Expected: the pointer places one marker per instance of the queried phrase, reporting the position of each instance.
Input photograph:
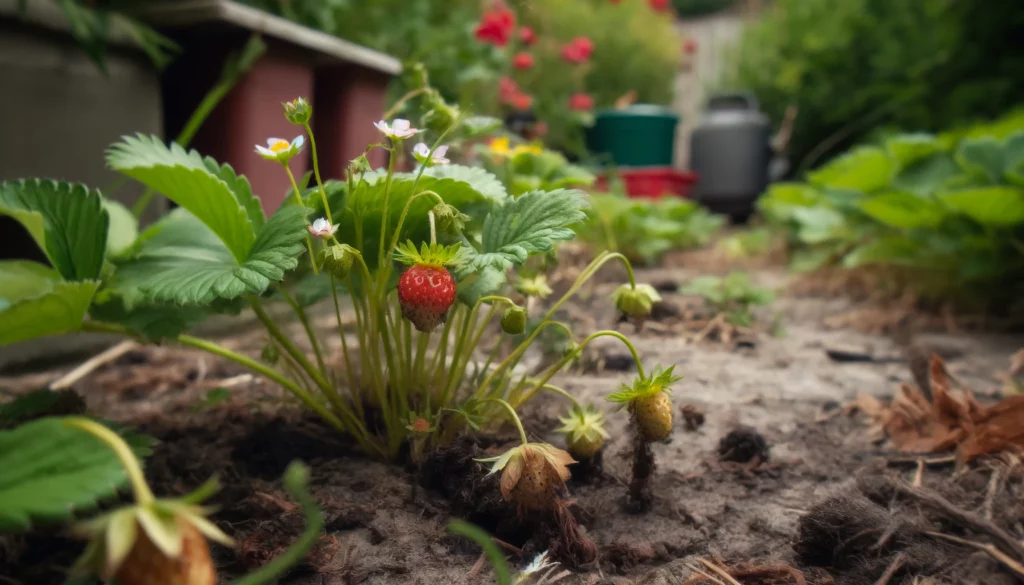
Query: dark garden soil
(766, 477)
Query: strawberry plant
(650, 410)
(644, 230)
(733, 295)
(56, 469)
(421, 256)
(947, 211)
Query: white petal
(383, 127)
(421, 149)
(273, 141)
(440, 151)
(400, 125)
(299, 142)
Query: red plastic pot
(653, 182)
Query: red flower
(521, 101)
(507, 87)
(496, 25)
(659, 5)
(527, 36)
(522, 61)
(578, 50)
(690, 46)
(581, 102)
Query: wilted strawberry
(584, 431)
(533, 474)
(426, 290)
(649, 403)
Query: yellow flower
(499, 146)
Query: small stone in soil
(619, 362)
(693, 417)
(742, 445)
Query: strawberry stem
(433, 228)
(298, 200)
(515, 417)
(316, 172)
(143, 495)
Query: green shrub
(853, 65)
(947, 210)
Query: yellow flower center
(280, 146)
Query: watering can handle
(733, 101)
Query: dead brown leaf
(952, 420)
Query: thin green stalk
(441, 351)
(316, 172)
(472, 344)
(579, 349)
(460, 342)
(310, 333)
(401, 223)
(515, 418)
(266, 372)
(287, 344)
(382, 268)
(298, 201)
(557, 390)
(344, 348)
(587, 273)
(132, 467)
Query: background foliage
(855, 65)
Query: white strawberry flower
(322, 228)
(422, 153)
(280, 150)
(399, 129)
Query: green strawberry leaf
(154, 322)
(927, 175)
(903, 210)
(60, 310)
(820, 224)
(865, 169)
(51, 472)
(472, 191)
(480, 283)
(185, 263)
(124, 228)
(982, 158)
(67, 222)
(530, 224)
(909, 149)
(186, 179)
(21, 279)
(989, 206)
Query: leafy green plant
(734, 295)
(530, 167)
(645, 229)
(58, 468)
(851, 67)
(947, 210)
(455, 227)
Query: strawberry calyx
(584, 431)
(432, 254)
(537, 458)
(659, 381)
(162, 522)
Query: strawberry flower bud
(513, 321)
(298, 111)
(448, 219)
(635, 302)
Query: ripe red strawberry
(426, 292)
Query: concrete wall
(59, 113)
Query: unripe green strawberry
(584, 431)
(148, 565)
(636, 302)
(426, 292)
(513, 321)
(653, 416)
(338, 260)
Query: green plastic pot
(641, 135)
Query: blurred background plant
(856, 67)
(645, 229)
(945, 212)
